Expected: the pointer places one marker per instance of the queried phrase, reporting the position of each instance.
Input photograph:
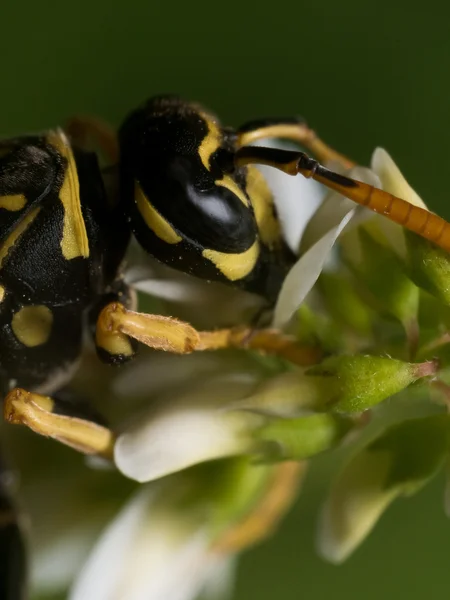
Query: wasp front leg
(118, 327)
(58, 420)
(13, 563)
(295, 130)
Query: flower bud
(295, 439)
(358, 382)
(344, 304)
(383, 273)
(399, 462)
(430, 266)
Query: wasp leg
(43, 415)
(416, 219)
(116, 325)
(294, 129)
(272, 507)
(268, 341)
(13, 562)
(87, 132)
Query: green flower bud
(295, 439)
(358, 382)
(287, 395)
(384, 275)
(399, 462)
(344, 304)
(430, 266)
(315, 328)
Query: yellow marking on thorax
(32, 325)
(160, 227)
(17, 232)
(234, 266)
(2, 293)
(209, 145)
(74, 241)
(261, 199)
(13, 202)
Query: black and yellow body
(190, 207)
(189, 191)
(60, 246)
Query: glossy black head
(180, 200)
(188, 205)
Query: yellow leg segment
(274, 504)
(269, 341)
(36, 412)
(299, 133)
(116, 325)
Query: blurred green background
(363, 75)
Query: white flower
(330, 221)
(187, 428)
(178, 538)
(149, 552)
(196, 422)
(399, 462)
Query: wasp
(190, 193)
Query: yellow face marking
(230, 184)
(209, 145)
(262, 202)
(211, 142)
(2, 293)
(234, 266)
(74, 241)
(160, 227)
(13, 202)
(15, 235)
(32, 325)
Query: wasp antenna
(419, 220)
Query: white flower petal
(55, 565)
(190, 298)
(356, 502)
(296, 199)
(221, 580)
(182, 433)
(146, 554)
(334, 208)
(171, 291)
(391, 178)
(306, 271)
(101, 577)
(154, 373)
